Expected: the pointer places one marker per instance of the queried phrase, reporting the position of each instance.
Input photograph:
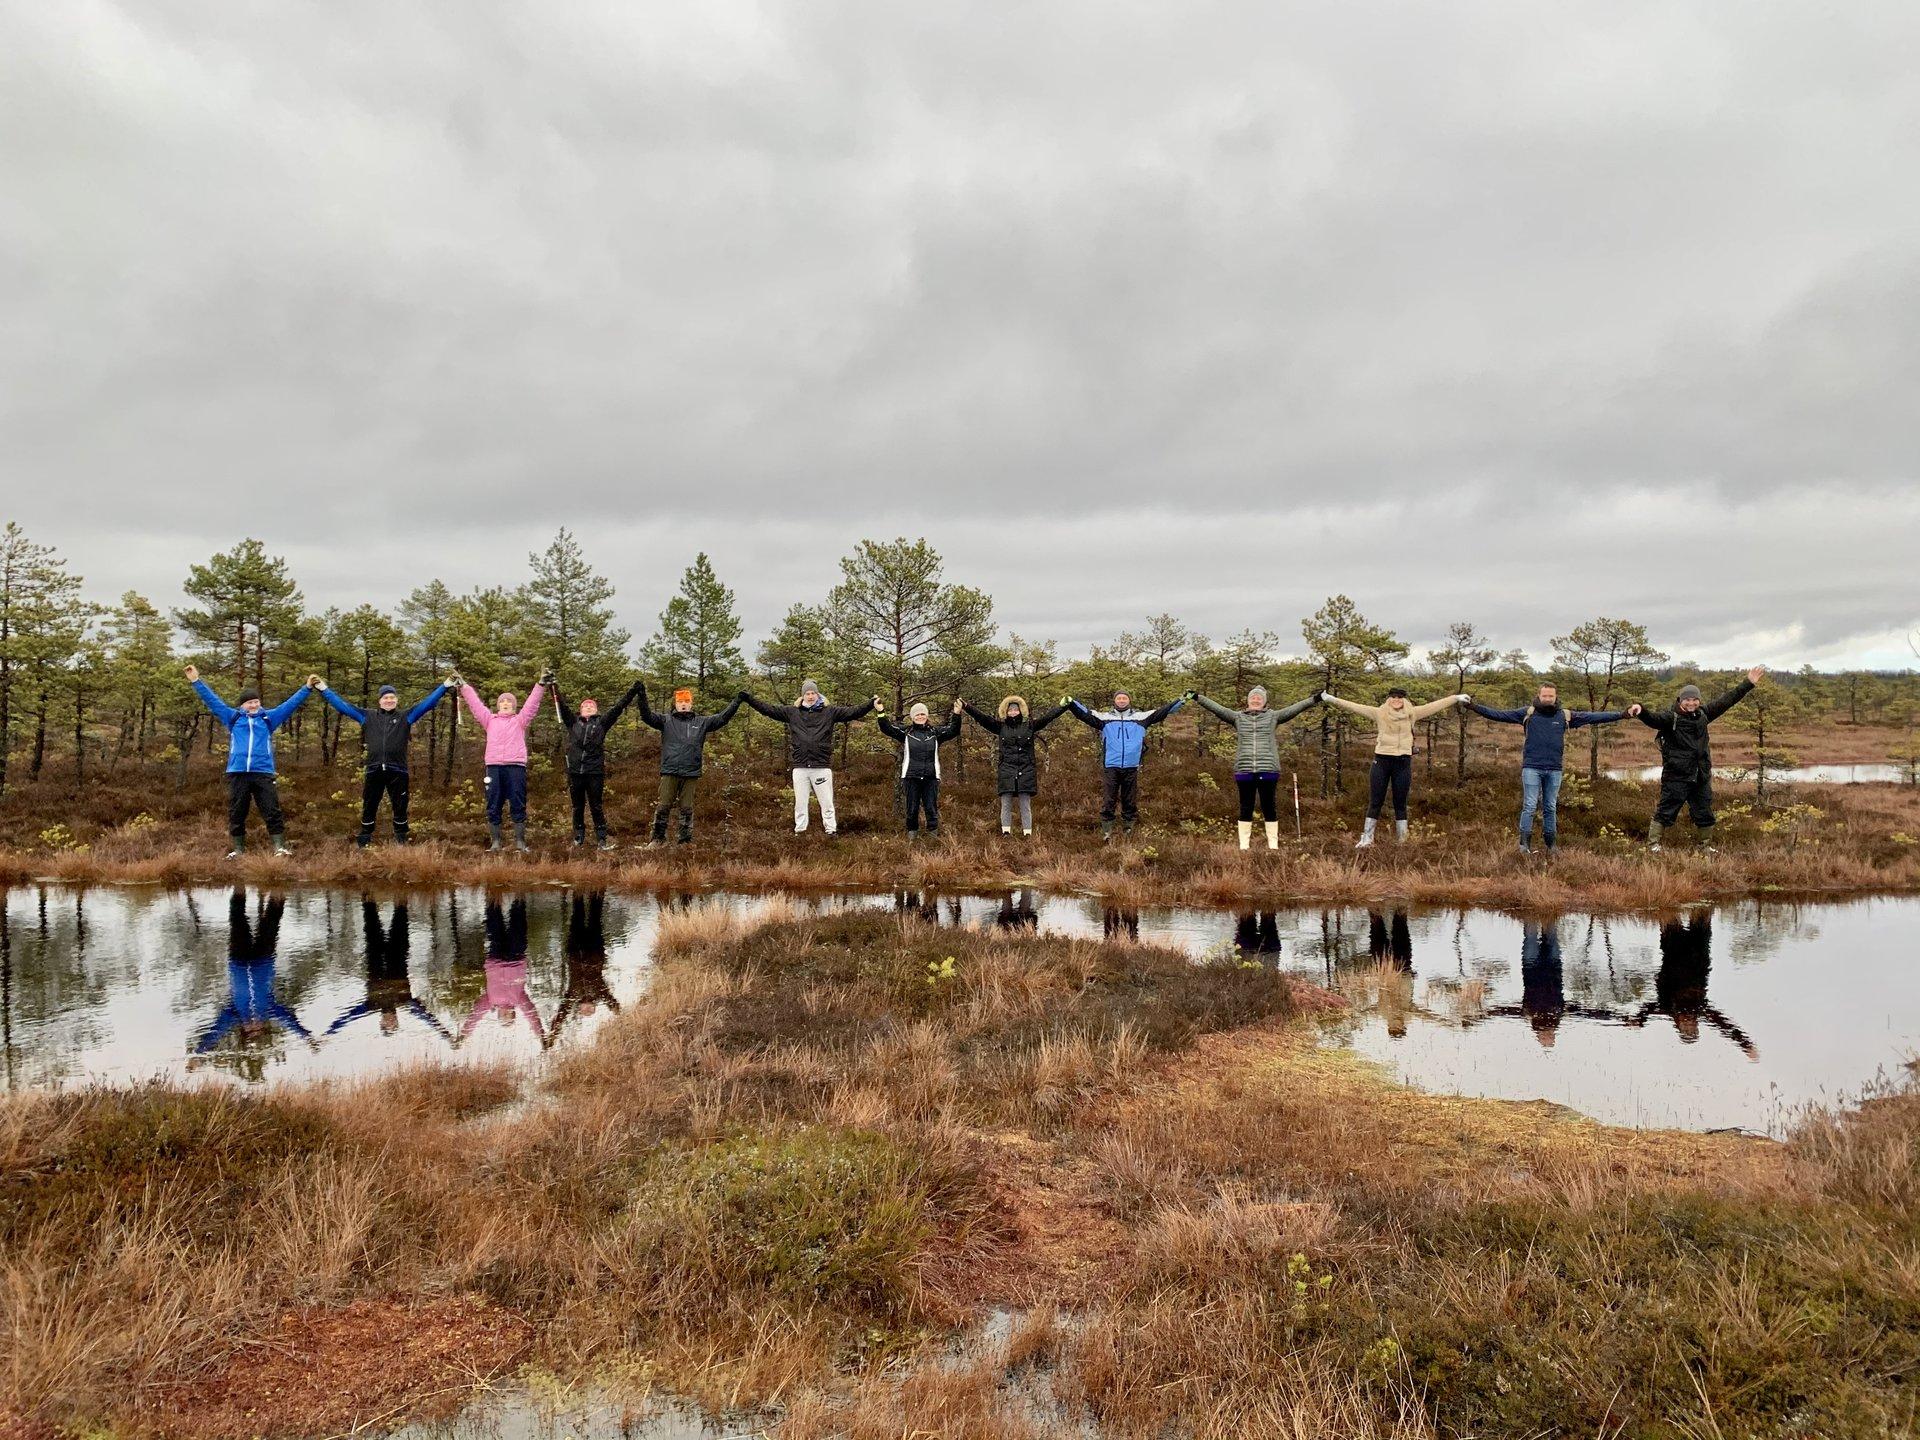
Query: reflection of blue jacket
(1123, 733)
(1546, 732)
(250, 742)
(250, 1000)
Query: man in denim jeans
(1546, 725)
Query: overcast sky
(1515, 312)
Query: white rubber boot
(1273, 834)
(1246, 834)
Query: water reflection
(1729, 1016)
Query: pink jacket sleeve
(480, 712)
(530, 711)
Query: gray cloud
(1507, 311)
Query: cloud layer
(1516, 312)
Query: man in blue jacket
(250, 774)
(384, 734)
(1542, 757)
(1123, 741)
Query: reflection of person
(1017, 911)
(389, 987)
(1680, 989)
(586, 988)
(252, 1009)
(1257, 933)
(1389, 938)
(506, 971)
(1543, 996)
(1118, 924)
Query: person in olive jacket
(683, 748)
(1686, 769)
(587, 759)
(920, 744)
(1256, 755)
(1019, 776)
(810, 746)
(384, 733)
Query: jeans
(1539, 790)
(819, 784)
(1394, 770)
(506, 789)
(1006, 811)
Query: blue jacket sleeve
(222, 711)
(227, 1019)
(1595, 717)
(1506, 717)
(280, 713)
(420, 711)
(346, 707)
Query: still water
(1735, 1016)
(1866, 774)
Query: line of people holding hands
(811, 725)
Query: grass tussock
(821, 1146)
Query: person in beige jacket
(1393, 725)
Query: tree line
(98, 685)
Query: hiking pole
(1296, 807)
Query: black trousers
(1120, 785)
(1261, 787)
(246, 788)
(921, 795)
(1695, 795)
(588, 792)
(1394, 770)
(393, 784)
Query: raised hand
(454, 682)
(192, 673)
(1190, 695)
(1633, 710)
(1463, 699)
(1756, 675)
(957, 704)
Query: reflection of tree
(1117, 923)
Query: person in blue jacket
(253, 1010)
(1123, 742)
(384, 734)
(1542, 756)
(250, 773)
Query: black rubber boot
(495, 842)
(280, 846)
(239, 847)
(686, 827)
(365, 837)
(1106, 832)
(579, 838)
(659, 829)
(401, 836)
(600, 837)
(520, 836)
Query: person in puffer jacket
(251, 779)
(683, 750)
(1393, 724)
(1256, 755)
(1543, 755)
(920, 744)
(1123, 744)
(587, 760)
(810, 725)
(1686, 769)
(1018, 775)
(506, 759)
(384, 735)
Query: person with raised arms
(1123, 744)
(683, 749)
(1393, 724)
(587, 760)
(920, 743)
(383, 737)
(1686, 754)
(506, 756)
(1544, 725)
(252, 780)
(1018, 776)
(1256, 755)
(810, 725)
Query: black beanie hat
(246, 695)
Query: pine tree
(1464, 655)
(1599, 655)
(142, 676)
(698, 643)
(249, 607)
(796, 651)
(922, 637)
(569, 621)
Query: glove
(1066, 699)
(1191, 695)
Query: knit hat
(506, 695)
(1259, 690)
(246, 695)
(808, 687)
(683, 694)
(1688, 692)
(388, 690)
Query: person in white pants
(810, 726)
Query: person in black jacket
(1686, 769)
(920, 746)
(810, 746)
(587, 759)
(1019, 777)
(683, 748)
(385, 733)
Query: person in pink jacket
(506, 729)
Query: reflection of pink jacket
(506, 734)
(506, 987)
